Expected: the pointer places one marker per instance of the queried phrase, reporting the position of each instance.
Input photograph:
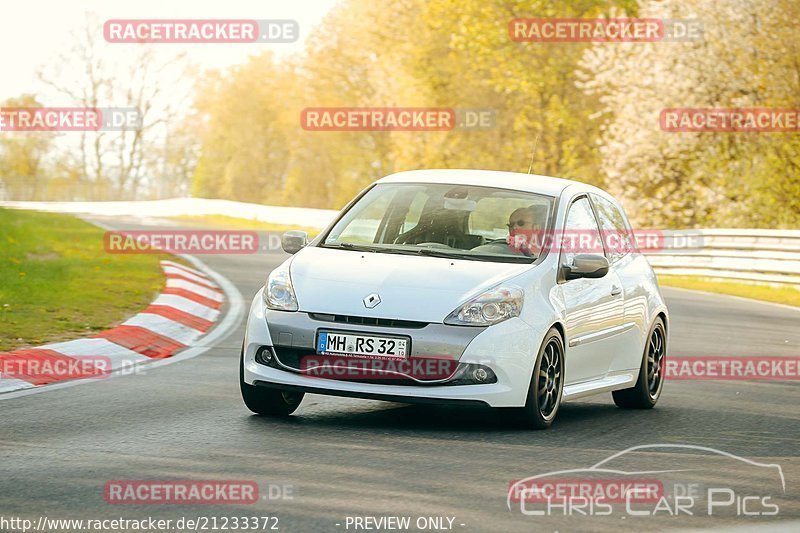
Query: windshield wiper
(350, 246)
(432, 252)
(367, 248)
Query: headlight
(278, 292)
(491, 307)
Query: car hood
(410, 287)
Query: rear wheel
(647, 390)
(546, 388)
(264, 401)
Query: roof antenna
(533, 153)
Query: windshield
(458, 221)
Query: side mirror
(586, 266)
(293, 241)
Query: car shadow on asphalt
(573, 418)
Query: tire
(546, 387)
(264, 401)
(647, 391)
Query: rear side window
(616, 235)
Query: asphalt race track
(340, 458)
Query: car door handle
(615, 290)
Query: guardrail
(771, 256)
(176, 207)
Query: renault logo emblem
(371, 300)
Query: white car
(461, 287)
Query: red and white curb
(172, 328)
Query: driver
(524, 233)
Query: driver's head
(523, 218)
(523, 225)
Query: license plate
(349, 344)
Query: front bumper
(507, 348)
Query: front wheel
(546, 388)
(647, 390)
(264, 401)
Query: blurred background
(223, 120)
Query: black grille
(292, 359)
(368, 321)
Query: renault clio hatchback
(509, 290)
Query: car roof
(491, 178)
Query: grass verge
(58, 283)
(767, 293)
(224, 222)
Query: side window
(364, 229)
(616, 235)
(414, 211)
(581, 234)
(490, 216)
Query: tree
(23, 156)
(116, 164)
(243, 132)
(697, 179)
